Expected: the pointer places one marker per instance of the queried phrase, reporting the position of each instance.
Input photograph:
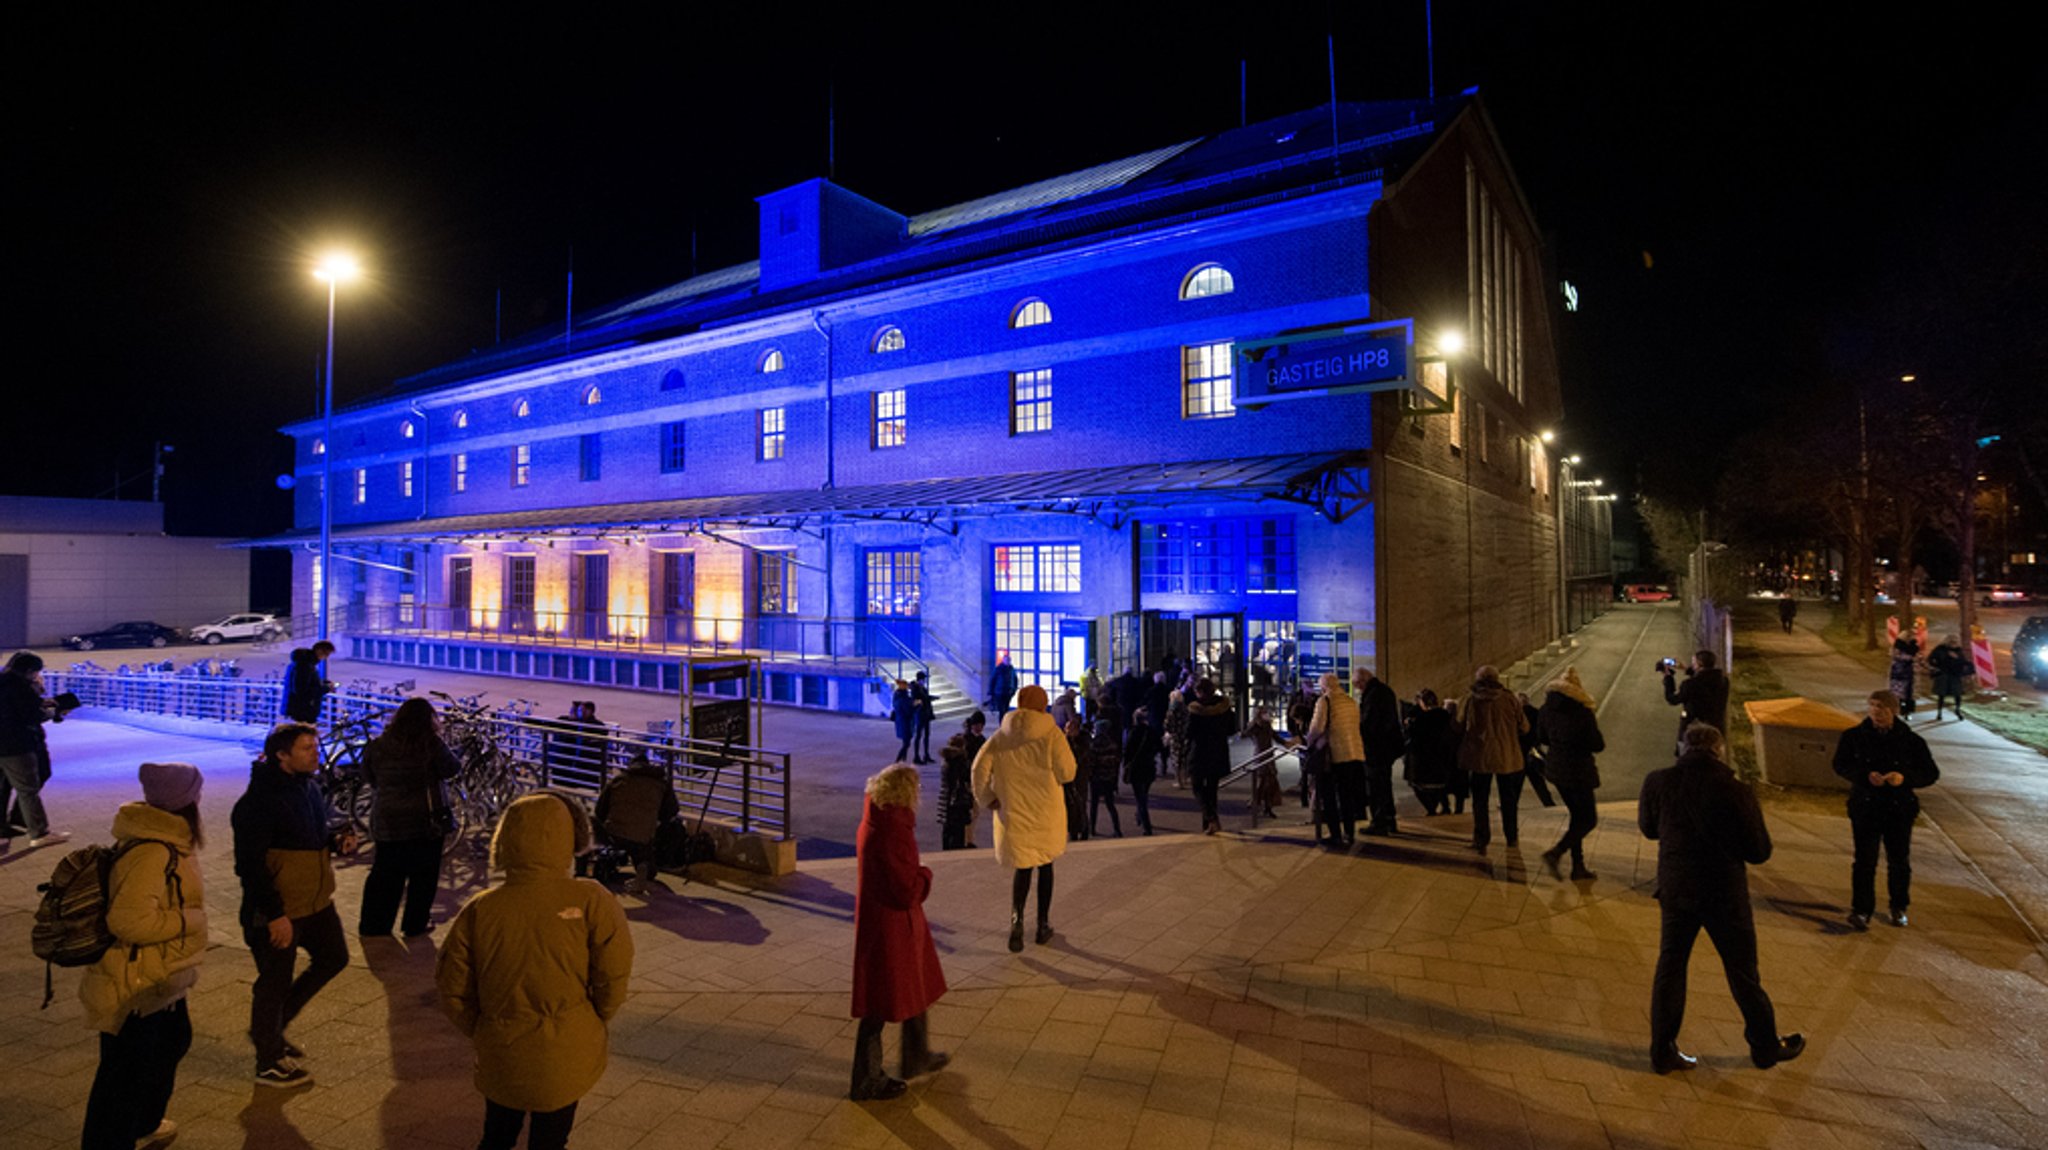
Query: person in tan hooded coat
(1018, 775)
(1492, 721)
(135, 994)
(532, 970)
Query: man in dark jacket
(304, 686)
(1379, 724)
(1703, 697)
(632, 809)
(1002, 686)
(23, 751)
(1885, 762)
(1708, 829)
(284, 836)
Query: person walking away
(1301, 710)
(1491, 752)
(1788, 610)
(1886, 763)
(921, 704)
(1266, 776)
(1066, 707)
(285, 840)
(1158, 702)
(408, 766)
(956, 784)
(1570, 733)
(1002, 686)
(1703, 697)
(896, 973)
(1431, 761)
(1211, 723)
(23, 749)
(1379, 718)
(1951, 667)
(1091, 693)
(1708, 830)
(1105, 759)
(1017, 777)
(532, 970)
(1905, 660)
(1141, 766)
(1335, 724)
(304, 685)
(1177, 745)
(1075, 791)
(135, 994)
(903, 712)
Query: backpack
(71, 921)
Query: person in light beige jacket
(135, 994)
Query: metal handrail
(903, 653)
(773, 637)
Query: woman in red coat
(896, 975)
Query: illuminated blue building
(1004, 427)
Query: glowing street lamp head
(338, 267)
(1450, 342)
(1547, 436)
(1572, 459)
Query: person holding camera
(1703, 696)
(1885, 762)
(24, 754)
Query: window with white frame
(775, 583)
(459, 472)
(1205, 382)
(522, 465)
(890, 418)
(362, 486)
(889, 339)
(771, 361)
(405, 479)
(1031, 313)
(1030, 401)
(1207, 280)
(1053, 568)
(773, 423)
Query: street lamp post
(334, 269)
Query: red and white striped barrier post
(1986, 664)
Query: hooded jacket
(1019, 774)
(282, 826)
(1571, 737)
(1493, 722)
(158, 922)
(533, 968)
(896, 972)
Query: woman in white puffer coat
(135, 994)
(1019, 775)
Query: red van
(1645, 593)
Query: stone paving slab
(1244, 990)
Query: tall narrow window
(362, 494)
(1030, 401)
(889, 418)
(1205, 382)
(589, 457)
(772, 427)
(519, 592)
(458, 477)
(775, 580)
(405, 479)
(672, 447)
(675, 601)
(460, 577)
(522, 465)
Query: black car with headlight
(2030, 651)
(126, 635)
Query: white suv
(244, 626)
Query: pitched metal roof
(1109, 492)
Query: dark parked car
(2030, 651)
(126, 635)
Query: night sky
(1818, 200)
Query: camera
(1667, 666)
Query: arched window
(1031, 313)
(889, 339)
(522, 409)
(461, 418)
(592, 396)
(771, 361)
(405, 429)
(672, 380)
(1207, 280)
(319, 447)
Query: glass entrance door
(1218, 644)
(590, 595)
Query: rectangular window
(772, 427)
(1205, 382)
(1030, 401)
(589, 458)
(522, 465)
(776, 579)
(1053, 568)
(895, 581)
(1493, 274)
(1032, 641)
(405, 479)
(1217, 556)
(362, 494)
(519, 598)
(671, 447)
(460, 576)
(889, 418)
(459, 472)
(1269, 556)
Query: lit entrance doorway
(590, 587)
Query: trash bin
(1795, 741)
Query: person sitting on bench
(631, 809)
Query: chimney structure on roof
(815, 226)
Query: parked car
(2030, 651)
(136, 634)
(247, 625)
(1645, 592)
(1999, 594)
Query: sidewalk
(1992, 801)
(1237, 991)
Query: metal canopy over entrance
(1333, 483)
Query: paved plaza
(1241, 990)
